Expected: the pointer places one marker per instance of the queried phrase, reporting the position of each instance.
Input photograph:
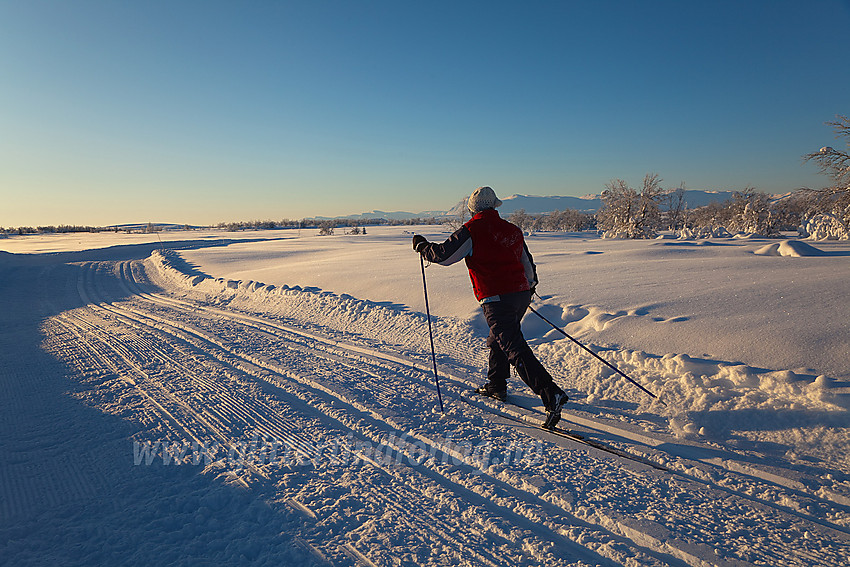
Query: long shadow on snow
(74, 494)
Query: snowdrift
(793, 248)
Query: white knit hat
(482, 199)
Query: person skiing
(504, 278)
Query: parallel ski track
(233, 406)
(239, 408)
(357, 353)
(437, 528)
(372, 355)
(336, 352)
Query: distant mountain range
(534, 205)
(393, 215)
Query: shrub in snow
(824, 227)
(685, 234)
(750, 213)
(790, 210)
(627, 213)
(833, 200)
(523, 220)
(568, 220)
(703, 232)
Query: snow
(794, 248)
(825, 227)
(289, 375)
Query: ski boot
(553, 414)
(490, 392)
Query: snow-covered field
(212, 398)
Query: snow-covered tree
(568, 220)
(522, 219)
(677, 208)
(824, 227)
(832, 162)
(627, 213)
(835, 199)
(749, 212)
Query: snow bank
(381, 322)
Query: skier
(503, 278)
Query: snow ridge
(325, 310)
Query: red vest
(495, 265)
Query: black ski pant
(508, 348)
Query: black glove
(419, 242)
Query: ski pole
(430, 333)
(614, 368)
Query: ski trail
(374, 476)
(195, 307)
(428, 527)
(641, 445)
(357, 405)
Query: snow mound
(793, 248)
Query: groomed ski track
(362, 471)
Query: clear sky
(207, 111)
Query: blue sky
(210, 111)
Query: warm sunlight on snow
(267, 396)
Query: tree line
(643, 212)
(349, 224)
(627, 212)
(324, 224)
(821, 213)
(50, 229)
